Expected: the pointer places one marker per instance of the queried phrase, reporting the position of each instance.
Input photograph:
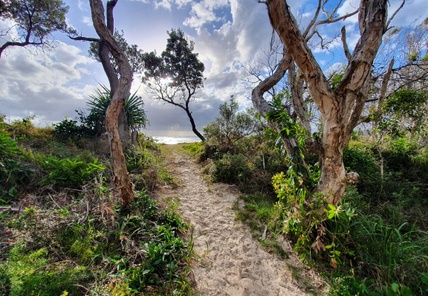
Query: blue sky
(229, 36)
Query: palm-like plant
(135, 114)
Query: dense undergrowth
(374, 242)
(63, 232)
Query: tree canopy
(33, 20)
(176, 75)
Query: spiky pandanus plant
(134, 110)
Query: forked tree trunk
(121, 178)
(340, 108)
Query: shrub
(69, 172)
(94, 121)
(13, 171)
(30, 272)
(68, 130)
(231, 169)
(93, 124)
(232, 126)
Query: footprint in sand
(229, 261)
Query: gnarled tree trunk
(340, 108)
(121, 178)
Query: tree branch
(345, 44)
(287, 28)
(81, 38)
(257, 94)
(394, 14)
(19, 44)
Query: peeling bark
(340, 108)
(121, 178)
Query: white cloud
(181, 3)
(82, 6)
(349, 6)
(87, 21)
(166, 4)
(200, 15)
(205, 12)
(48, 85)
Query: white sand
(228, 260)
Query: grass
(377, 242)
(74, 238)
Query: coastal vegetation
(334, 163)
(64, 231)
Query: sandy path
(229, 261)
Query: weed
(31, 272)
(69, 172)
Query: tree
(34, 21)
(101, 53)
(340, 105)
(231, 126)
(109, 44)
(176, 75)
(133, 53)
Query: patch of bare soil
(228, 260)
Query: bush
(232, 126)
(30, 272)
(140, 247)
(69, 172)
(68, 130)
(13, 171)
(231, 169)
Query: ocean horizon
(175, 140)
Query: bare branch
(329, 20)
(19, 44)
(385, 82)
(394, 14)
(345, 44)
(314, 19)
(257, 94)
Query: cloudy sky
(229, 36)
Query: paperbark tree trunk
(340, 108)
(122, 181)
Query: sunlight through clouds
(229, 35)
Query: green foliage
(69, 172)
(31, 272)
(300, 210)
(93, 123)
(135, 114)
(35, 19)
(231, 126)
(140, 247)
(404, 112)
(391, 259)
(258, 212)
(194, 149)
(291, 137)
(68, 129)
(180, 63)
(22, 129)
(231, 169)
(13, 171)
(177, 62)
